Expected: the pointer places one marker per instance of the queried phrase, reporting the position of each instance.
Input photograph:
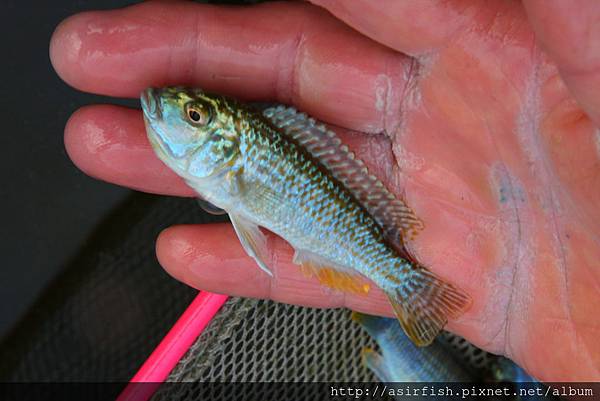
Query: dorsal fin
(397, 220)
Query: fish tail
(423, 304)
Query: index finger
(289, 52)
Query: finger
(110, 143)
(570, 33)
(290, 52)
(209, 257)
(412, 27)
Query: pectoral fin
(330, 274)
(252, 239)
(209, 207)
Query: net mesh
(478, 361)
(257, 340)
(264, 341)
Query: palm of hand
(479, 130)
(501, 163)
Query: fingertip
(204, 257)
(171, 250)
(174, 248)
(187, 250)
(65, 48)
(81, 139)
(109, 143)
(189, 255)
(89, 51)
(163, 245)
(104, 141)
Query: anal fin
(252, 239)
(331, 275)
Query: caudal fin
(424, 305)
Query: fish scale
(339, 219)
(282, 170)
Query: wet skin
(452, 103)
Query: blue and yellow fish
(401, 361)
(281, 170)
(448, 359)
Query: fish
(402, 361)
(449, 359)
(279, 169)
(506, 371)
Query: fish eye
(198, 113)
(194, 115)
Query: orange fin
(330, 275)
(427, 304)
(342, 281)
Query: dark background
(49, 207)
(82, 296)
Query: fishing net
(101, 319)
(267, 341)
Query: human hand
(457, 108)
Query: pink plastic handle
(171, 349)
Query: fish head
(191, 131)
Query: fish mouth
(155, 141)
(161, 149)
(150, 104)
(152, 115)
